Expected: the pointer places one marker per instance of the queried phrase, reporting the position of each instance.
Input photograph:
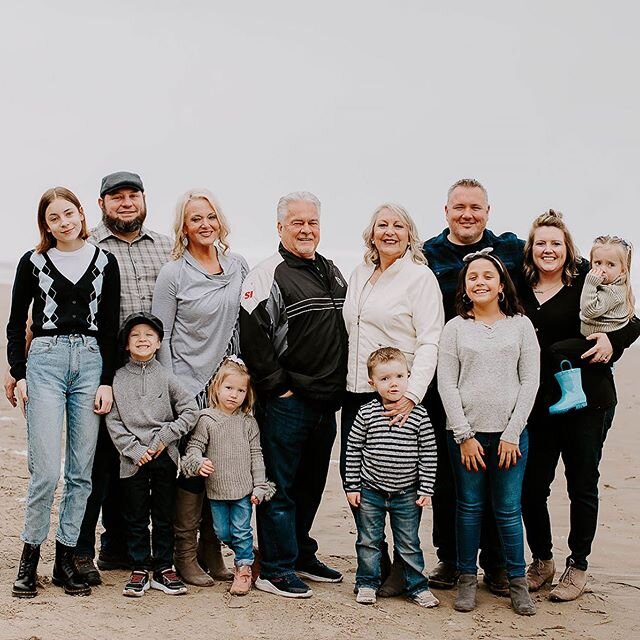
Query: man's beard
(116, 225)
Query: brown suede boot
(186, 522)
(539, 573)
(209, 549)
(241, 581)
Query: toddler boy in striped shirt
(390, 469)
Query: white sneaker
(425, 599)
(366, 595)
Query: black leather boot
(25, 584)
(65, 573)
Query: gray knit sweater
(603, 307)
(232, 443)
(150, 406)
(488, 376)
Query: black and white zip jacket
(292, 333)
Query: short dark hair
(509, 305)
(385, 354)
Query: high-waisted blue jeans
(63, 375)
(504, 487)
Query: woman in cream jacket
(393, 300)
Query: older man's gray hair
(296, 196)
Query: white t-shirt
(72, 264)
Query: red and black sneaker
(137, 585)
(167, 580)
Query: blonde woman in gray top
(197, 297)
(488, 371)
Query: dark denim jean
(504, 488)
(404, 516)
(578, 437)
(444, 500)
(106, 496)
(151, 492)
(296, 444)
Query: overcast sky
(361, 102)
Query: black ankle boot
(65, 573)
(25, 584)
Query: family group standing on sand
(195, 388)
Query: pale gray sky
(358, 101)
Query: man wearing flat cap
(140, 253)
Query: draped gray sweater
(150, 406)
(232, 443)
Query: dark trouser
(151, 491)
(296, 443)
(350, 407)
(503, 488)
(106, 494)
(571, 350)
(578, 437)
(444, 500)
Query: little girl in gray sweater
(225, 449)
(488, 373)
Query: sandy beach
(608, 611)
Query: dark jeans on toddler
(404, 515)
(151, 492)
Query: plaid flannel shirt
(445, 260)
(139, 262)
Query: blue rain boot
(570, 381)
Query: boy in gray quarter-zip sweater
(151, 412)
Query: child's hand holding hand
(353, 498)
(147, 456)
(104, 400)
(206, 469)
(423, 501)
(161, 447)
(255, 500)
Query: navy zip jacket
(292, 333)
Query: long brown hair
(47, 241)
(551, 218)
(509, 305)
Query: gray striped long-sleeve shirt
(388, 457)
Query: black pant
(578, 437)
(350, 406)
(297, 438)
(151, 491)
(106, 494)
(443, 501)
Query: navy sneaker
(137, 585)
(289, 586)
(319, 572)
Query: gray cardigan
(232, 443)
(150, 406)
(488, 376)
(603, 307)
(200, 315)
